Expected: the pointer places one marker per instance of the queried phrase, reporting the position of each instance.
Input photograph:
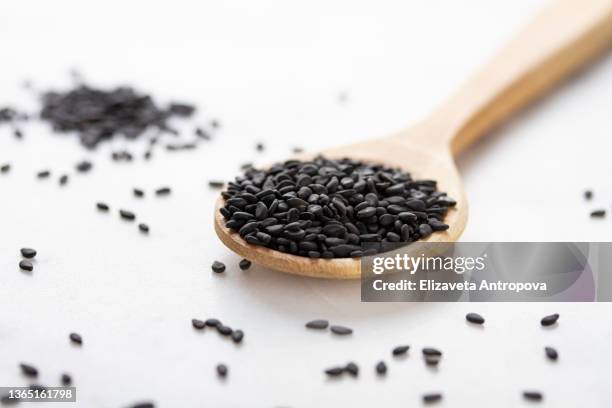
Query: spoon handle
(562, 38)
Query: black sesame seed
(222, 370)
(29, 370)
(26, 266)
(334, 371)
(102, 206)
(598, 213)
(244, 264)
(551, 353)
(430, 351)
(433, 397)
(381, 368)
(341, 330)
(138, 192)
(319, 324)
(144, 228)
(43, 174)
(84, 166)
(9, 399)
(63, 180)
(352, 369)
(5, 168)
(66, 380)
(474, 318)
(76, 338)
(260, 147)
(432, 360)
(550, 319)
(218, 267)
(533, 395)
(216, 184)
(163, 191)
(224, 330)
(143, 405)
(28, 253)
(237, 336)
(212, 322)
(201, 133)
(400, 350)
(127, 215)
(198, 324)
(18, 134)
(588, 194)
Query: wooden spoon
(563, 37)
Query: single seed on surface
(43, 174)
(28, 370)
(63, 180)
(198, 324)
(588, 194)
(218, 267)
(216, 184)
(138, 192)
(237, 336)
(334, 371)
(143, 405)
(432, 397)
(84, 166)
(9, 399)
(222, 370)
(76, 338)
(341, 330)
(319, 324)
(550, 319)
(598, 213)
(5, 168)
(474, 318)
(533, 395)
(26, 266)
(18, 134)
(430, 351)
(244, 264)
(381, 368)
(551, 353)
(127, 215)
(102, 206)
(162, 191)
(144, 228)
(400, 350)
(224, 330)
(260, 147)
(212, 322)
(28, 253)
(352, 369)
(66, 380)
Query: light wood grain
(564, 37)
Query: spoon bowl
(404, 151)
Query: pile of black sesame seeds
(328, 208)
(98, 115)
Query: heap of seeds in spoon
(331, 208)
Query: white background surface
(271, 71)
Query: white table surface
(271, 71)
